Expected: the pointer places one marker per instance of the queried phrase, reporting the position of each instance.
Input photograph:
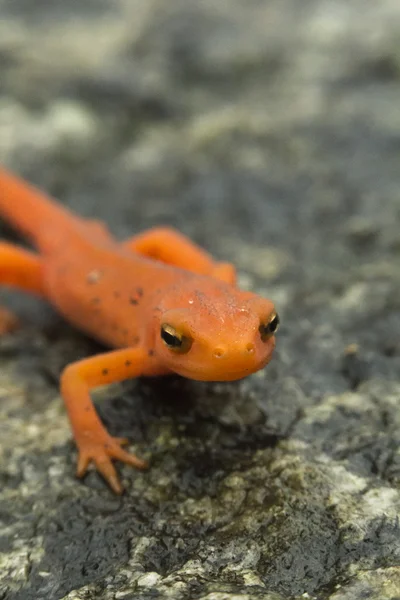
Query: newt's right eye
(175, 340)
(268, 329)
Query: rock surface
(269, 132)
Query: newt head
(217, 334)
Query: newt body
(161, 302)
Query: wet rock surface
(269, 132)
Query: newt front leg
(174, 248)
(92, 439)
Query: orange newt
(159, 300)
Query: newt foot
(101, 450)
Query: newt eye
(268, 329)
(175, 340)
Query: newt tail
(32, 213)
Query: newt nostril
(219, 352)
(250, 348)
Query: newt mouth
(220, 371)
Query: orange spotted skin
(161, 303)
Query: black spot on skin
(96, 300)
(105, 371)
(151, 353)
(133, 301)
(128, 363)
(117, 295)
(199, 295)
(87, 408)
(139, 291)
(135, 340)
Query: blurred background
(236, 121)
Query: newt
(157, 301)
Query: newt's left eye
(268, 329)
(175, 340)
